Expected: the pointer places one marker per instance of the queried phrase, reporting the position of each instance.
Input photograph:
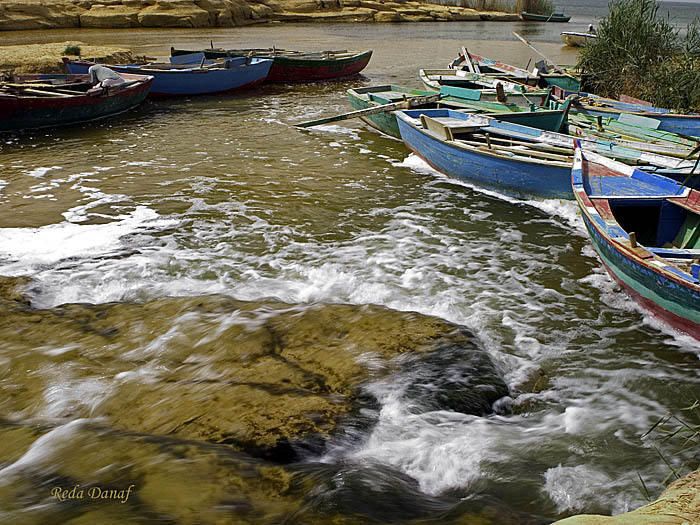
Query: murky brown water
(200, 279)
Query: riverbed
(147, 236)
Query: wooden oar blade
(384, 108)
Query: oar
(384, 108)
(474, 68)
(528, 44)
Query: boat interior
(664, 227)
(477, 134)
(45, 85)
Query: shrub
(72, 50)
(642, 55)
(539, 7)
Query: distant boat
(189, 79)
(646, 231)
(298, 66)
(554, 17)
(38, 101)
(574, 39)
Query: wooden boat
(683, 124)
(553, 17)
(452, 98)
(298, 66)
(635, 132)
(38, 101)
(542, 77)
(632, 135)
(509, 90)
(646, 231)
(509, 153)
(188, 79)
(577, 39)
(467, 148)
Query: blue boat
(466, 147)
(207, 77)
(504, 153)
(683, 124)
(645, 229)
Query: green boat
(455, 98)
(553, 17)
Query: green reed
(677, 436)
(640, 54)
(539, 7)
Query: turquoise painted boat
(683, 124)
(453, 98)
(570, 80)
(614, 135)
(646, 231)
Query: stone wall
(53, 14)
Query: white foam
(40, 172)
(26, 250)
(573, 489)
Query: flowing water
(188, 200)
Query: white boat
(575, 39)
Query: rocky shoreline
(61, 14)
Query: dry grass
(46, 58)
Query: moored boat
(467, 148)
(553, 17)
(683, 124)
(38, 101)
(646, 231)
(189, 79)
(577, 39)
(298, 66)
(541, 77)
(451, 97)
(517, 154)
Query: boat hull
(192, 81)
(382, 122)
(522, 180)
(293, 69)
(40, 112)
(298, 66)
(666, 298)
(675, 123)
(573, 39)
(556, 17)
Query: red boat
(298, 66)
(38, 101)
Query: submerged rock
(258, 376)
(201, 403)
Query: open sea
(128, 230)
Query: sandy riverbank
(47, 58)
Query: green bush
(72, 50)
(538, 7)
(640, 54)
